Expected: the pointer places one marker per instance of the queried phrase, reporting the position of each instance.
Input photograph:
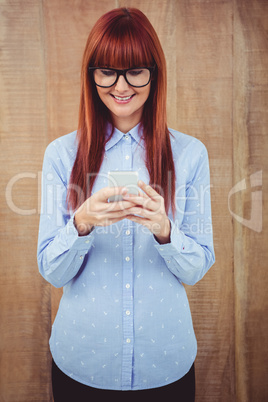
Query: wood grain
(204, 85)
(217, 63)
(24, 296)
(250, 156)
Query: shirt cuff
(74, 241)
(175, 246)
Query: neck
(125, 124)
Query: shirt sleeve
(190, 253)
(60, 252)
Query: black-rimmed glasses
(136, 77)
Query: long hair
(122, 38)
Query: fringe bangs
(124, 46)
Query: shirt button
(81, 257)
(127, 285)
(127, 232)
(87, 241)
(128, 340)
(126, 137)
(127, 259)
(127, 312)
(127, 157)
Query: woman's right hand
(97, 211)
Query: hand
(97, 211)
(150, 206)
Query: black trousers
(65, 389)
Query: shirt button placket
(127, 283)
(127, 312)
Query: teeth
(123, 99)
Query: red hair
(124, 38)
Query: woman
(124, 322)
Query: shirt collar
(136, 133)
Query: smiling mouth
(122, 98)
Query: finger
(105, 218)
(138, 219)
(116, 215)
(105, 193)
(118, 205)
(148, 190)
(135, 211)
(142, 200)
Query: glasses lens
(104, 77)
(138, 77)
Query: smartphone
(123, 178)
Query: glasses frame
(122, 72)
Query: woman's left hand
(150, 208)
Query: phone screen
(123, 178)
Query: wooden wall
(217, 58)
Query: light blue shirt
(124, 321)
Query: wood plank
(250, 157)
(24, 296)
(204, 85)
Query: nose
(121, 84)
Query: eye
(108, 73)
(135, 72)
